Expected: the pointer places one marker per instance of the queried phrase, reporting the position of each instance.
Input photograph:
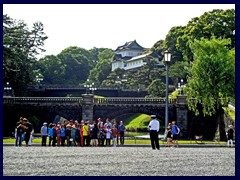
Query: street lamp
(167, 58)
(124, 80)
(182, 86)
(39, 78)
(92, 88)
(118, 82)
(89, 87)
(7, 89)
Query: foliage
(103, 68)
(156, 89)
(212, 75)
(218, 23)
(20, 47)
(171, 41)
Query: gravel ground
(118, 161)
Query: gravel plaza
(118, 161)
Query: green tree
(220, 23)
(52, 69)
(156, 89)
(212, 77)
(102, 68)
(77, 65)
(20, 47)
(171, 41)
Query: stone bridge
(88, 108)
(45, 109)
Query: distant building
(130, 55)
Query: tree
(156, 89)
(77, 64)
(212, 77)
(20, 47)
(103, 67)
(171, 41)
(52, 69)
(218, 23)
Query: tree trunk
(221, 124)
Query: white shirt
(154, 125)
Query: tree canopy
(20, 48)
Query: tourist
(230, 136)
(62, 132)
(169, 134)
(58, 133)
(85, 134)
(101, 137)
(68, 134)
(122, 130)
(175, 133)
(154, 128)
(114, 135)
(108, 135)
(78, 135)
(116, 125)
(50, 133)
(95, 135)
(18, 132)
(28, 129)
(73, 135)
(44, 134)
(81, 137)
(55, 131)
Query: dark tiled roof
(130, 45)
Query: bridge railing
(126, 100)
(37, 100)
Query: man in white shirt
(154, 128)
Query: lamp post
(89, 87)
(39, 78)
(124, 80)
(118, 82)
(92, 88)
(7, 89)
(182, 87)
(167, 58)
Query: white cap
(44, 123)
(153, 116)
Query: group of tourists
(73, 133)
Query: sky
(106, 25)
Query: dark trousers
(27, 137)
(122, 137)
(50, 140)
(108, 142)
(86, 140)
(18, 140)
(44, 140)
(154, 139)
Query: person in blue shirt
(122, 130)
(44, 133)
(50, 133)
(175, 133)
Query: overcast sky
(106, 25)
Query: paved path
(119, 161)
